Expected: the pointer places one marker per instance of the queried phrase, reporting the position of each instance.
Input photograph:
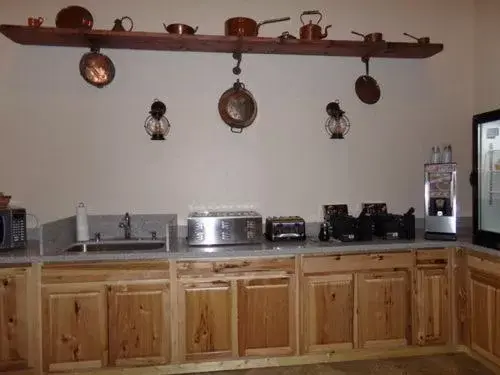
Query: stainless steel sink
(117, 246)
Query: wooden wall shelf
(135, 40)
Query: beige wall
(63, 141)
(487, 52)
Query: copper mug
(312, 31)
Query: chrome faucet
(125, 224)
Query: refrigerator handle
(473, 178)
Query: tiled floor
(450, 364)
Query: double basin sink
(117, 245)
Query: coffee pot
(312, 31)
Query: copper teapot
(118, 26)
(312, 31)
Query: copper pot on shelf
(244, 26)
(180, 28)
(370, 38)
(312, 31)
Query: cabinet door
(328, 308)
(266, 319)
(433, 306)
(74, 323)
(206, 312)
(138, 324)
(13, 325)
(485, 315)
(384, 309)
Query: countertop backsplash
(58, 235)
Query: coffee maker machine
(440, 201)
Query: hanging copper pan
(367, 88)
(97, 69)
(237, 107)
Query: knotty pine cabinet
(484, 305)
(236, 308)
(127, 314)
(432, 311)
(266, 316)
(375, 300)
(206, 312)
(74, 327)
(98, 315)
(14, 340)
(138, 323)
(328, 312)
(384, 309)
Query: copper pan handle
(411, 36)
(272, 21)
(356, 33)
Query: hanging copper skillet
(237, 107)
(97, 69)
(367, 88)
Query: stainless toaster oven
(224, 228)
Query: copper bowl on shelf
(74, 17)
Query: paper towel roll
(82, 224)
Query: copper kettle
(118, 26)
(312, 31)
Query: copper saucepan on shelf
(180, 28)
(243, 26)
(372, 37)
(420, 40)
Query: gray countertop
(266, 249)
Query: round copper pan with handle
(244, 26)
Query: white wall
(63, 141)
(487, 52)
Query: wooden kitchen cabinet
(485, 314)
(266, 316)
(138, 316)
(432, 314)
(328, 312)
(205, 319)
(432, 306)
(384, 309)
(74, 327)
(97, 315)
(14, 346)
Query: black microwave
(12, 228)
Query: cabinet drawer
(110, 272)
(341, 263)
(482, 264)
(432, 256)
(234, 267)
